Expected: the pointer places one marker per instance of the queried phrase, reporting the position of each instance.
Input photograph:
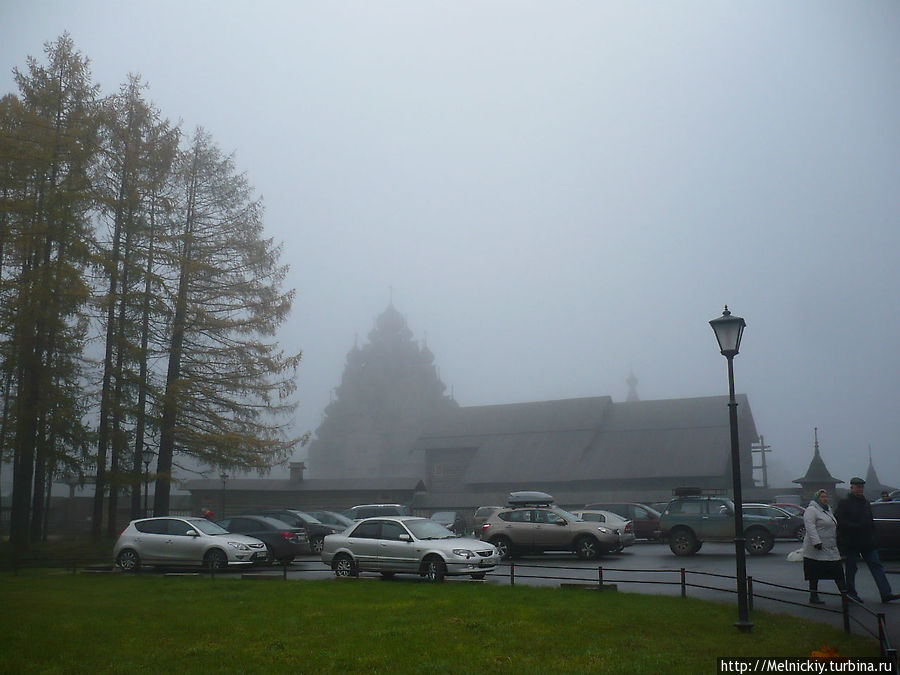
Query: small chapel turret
(817, 475)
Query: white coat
(821, 528)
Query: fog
(559, 194)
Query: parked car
(691, 519)
(624, 528)
(532, 523)
(793, 509)
(336, 520)
(452, 520)
(285, 541)
(406, 544)
(787, 526)
(481, 515)
(887, 527)
(316, 530)
(372, 510)
(177, 542)
(644, 518)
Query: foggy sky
(559, 193)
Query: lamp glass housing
(728, 329)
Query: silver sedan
(621, 526)
(404, 544)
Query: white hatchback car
(176, 542)
(404, 544)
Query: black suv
(691, 519)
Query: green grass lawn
(63, 623)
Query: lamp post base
(743, 626)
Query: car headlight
(463, 553)
(239, 546)
(605, 530)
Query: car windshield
(428, 529)
(207, 527)
(308, 517)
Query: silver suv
(531, 522)
(176, 542)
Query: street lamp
(224, 477)
(728, 330)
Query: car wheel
(344, 567)
(317, 544)
(129, 560)
(587, 548)
(683, 542)
(215, 559)
(435, 570)
(504, 547)
(478, 576)
(759, 542)
(800, 533)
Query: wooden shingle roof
(571, 439)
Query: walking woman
(821, 559)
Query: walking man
(855, 531)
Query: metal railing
(888, 651)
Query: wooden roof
(574, 439)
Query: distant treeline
(139, 298)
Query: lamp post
(728, 330)
(224, 477)
(146, 482)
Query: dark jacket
(855, 526)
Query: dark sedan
(787, 526)
(284, 541)
(336, 520)
(887, 527)
(316, 530)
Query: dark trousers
(870, 555)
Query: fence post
(284, 569)
(512, 574)
(845, 610)
(750, 594)
(600, 575)
(683, 584)
(881, 645)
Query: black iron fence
(853, 612)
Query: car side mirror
(192, 533)
(404, 537)
(561, 522)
